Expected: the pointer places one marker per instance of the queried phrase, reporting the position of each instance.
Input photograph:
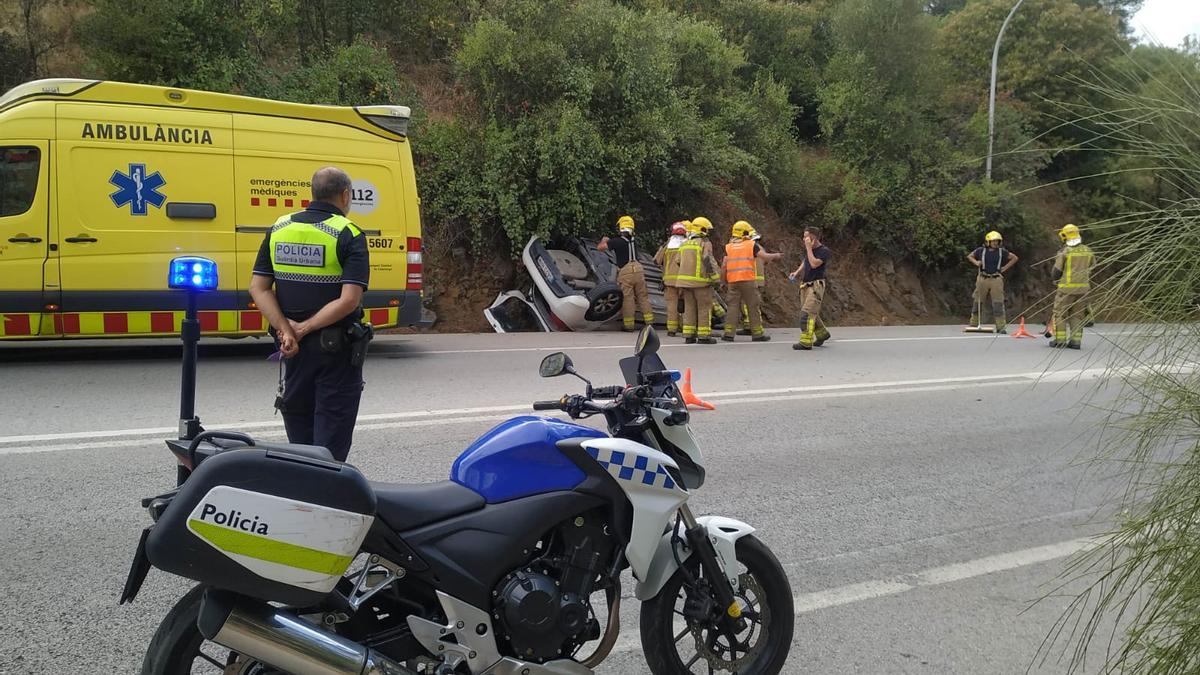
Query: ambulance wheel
(604, 302)
(178, 648)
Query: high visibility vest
(739, 261)
(1077, 267)
(307, 252)
(691, 266)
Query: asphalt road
(920, 485)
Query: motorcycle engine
(543, 608)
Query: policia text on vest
(309, 279)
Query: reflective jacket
(668, 257)
(697, 268)
(307, 252)
(1075, 265)
(739, 261)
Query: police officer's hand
(289, 346)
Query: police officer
(630, 274)
(318, 263)
(668, 257)
(811, 275)
(698, 273)
(740, 271)
(1072, 272)
(993, 261)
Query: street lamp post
(992, 95)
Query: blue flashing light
(191, 273)
(676, 375)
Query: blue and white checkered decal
(633, 468)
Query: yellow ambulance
(103, 183)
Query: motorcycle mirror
(555, 364)
(647, 343)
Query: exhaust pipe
(285, 641)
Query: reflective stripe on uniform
(1077, 267)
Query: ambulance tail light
(416, 264)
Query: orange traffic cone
(689, 397)
(1021, 332)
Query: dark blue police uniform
(310, 255)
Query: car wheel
(604, 302)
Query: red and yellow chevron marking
(133, 324)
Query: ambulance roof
(388, 121)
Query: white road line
(674, 345)
(863, 591)
(10, 445)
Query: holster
(333, 339)
(359, 336)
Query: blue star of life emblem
(137, 189)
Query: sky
(1167, 21)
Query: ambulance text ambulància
(103, 183)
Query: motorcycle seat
(406, 506)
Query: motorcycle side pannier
(265, 523)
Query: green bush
(588, 110)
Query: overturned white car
(573, 289)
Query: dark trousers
(320, 397)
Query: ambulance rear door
(138, 186)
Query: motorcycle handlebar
(547, 405)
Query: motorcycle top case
(266, 524)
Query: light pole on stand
(194, 275)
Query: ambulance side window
(18, 179)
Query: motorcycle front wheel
(678, 637)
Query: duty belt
(985, 275)
(814, 282)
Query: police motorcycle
(512, 567)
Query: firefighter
(698, 272)
(740, 270)
(993, 261)
(760, 281)
(811, 275)
(668, 258)
(630, 275)
(308, 281)
(1072, 271)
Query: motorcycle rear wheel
(178, 648)
(766, 597)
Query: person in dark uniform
(811, 275)
(318, 263)
(630, 275)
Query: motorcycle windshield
(650, 364)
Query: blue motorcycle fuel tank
(518, 458)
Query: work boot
(1047, 334)
(728, 337)
(743, 331)
(1089, 323)
(800, 347)
(1056, 345)
(1073, 344)
(761, 338)
(672, 333)
(710, 340)
(689, 341)
(820, 341)
(1002, 331)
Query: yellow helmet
(701, 225)
(1069, 232)
(625, 224)
(742, 229)
(992, 236)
